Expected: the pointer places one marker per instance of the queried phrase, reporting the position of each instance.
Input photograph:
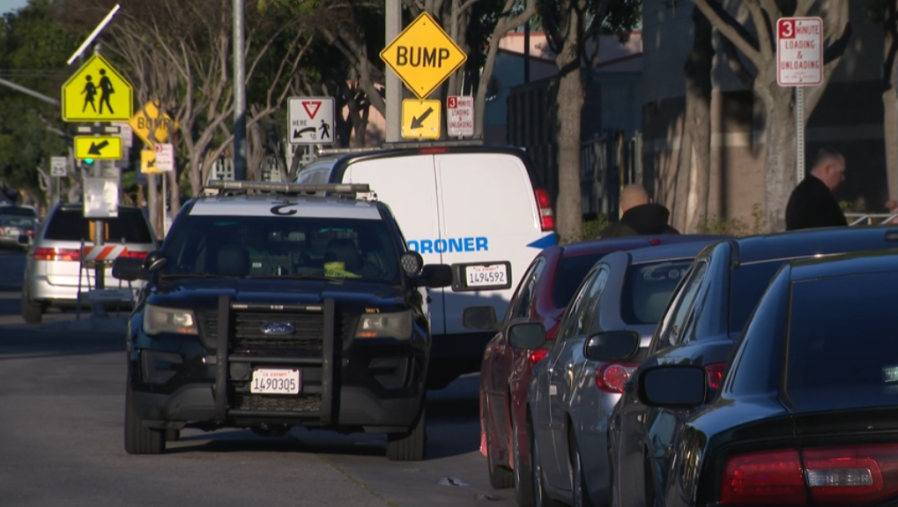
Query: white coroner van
(476, 208)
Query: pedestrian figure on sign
(812, 203)
(325, 129)
(105, 91)
(89, 92)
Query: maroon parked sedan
(541, 296)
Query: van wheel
(32, 313)
(410, 446)
(138, 438)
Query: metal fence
(607, 164)
(870, 218)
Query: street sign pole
(99, 227)
(239, 95)
(393, 84)
(799, 63)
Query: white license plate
(482, 276)
(270, 381)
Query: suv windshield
(647, 290)
(570, 273)
(251, 246)
(69, 224)
(20, 222)
(17, 211)
(747, 284)
(841, 344)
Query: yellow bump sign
(97, 93)
(98, 147)
(147, 121)
(423, 56)
(421, 119)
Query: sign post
(423, 56)
(799, 63)
(58, 171)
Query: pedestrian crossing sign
(97, 93)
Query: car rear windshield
(569, 274)
(70, 225)
(251, 246)
(17, 211)
(20, 222)
(647, 290)
(843, 342)
(747, 285)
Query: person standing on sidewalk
(640, 216)
(812, 203)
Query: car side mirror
(672, 386)
(129, 269)
(612, 346)
(412, 263)
(481, 318)
(155, 261)
(527, 336)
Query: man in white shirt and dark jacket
(812, 203)
(641, 217)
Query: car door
(651, 429)
(561, 370)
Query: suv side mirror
(481, 318)
(129, 269)
(612, 346)
(155, 261)
(672, 386)
(436, 276)
(527, 335)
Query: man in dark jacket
(812, 203)
(640, 217)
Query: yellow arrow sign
(98, 147)
(148, 162)
(147, 120)
(97, 93)
(421, 119)
(423, 56)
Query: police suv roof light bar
(289, 188)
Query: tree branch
(832, 55)
(762, 28)
(734, 61)
(730, 28)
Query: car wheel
(500, 477)
(32, 313)
(138, 438)
(409, 446)
(580, 488)
(523, 477)
(540, 497)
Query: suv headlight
(385, 325)
(157, 319)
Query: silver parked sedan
(15, 229)
(54, 272)
(570, 394)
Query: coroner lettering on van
(449, 245)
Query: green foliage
(619, 16)
(877, 11)
(736, 227)
(589, 230)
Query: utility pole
(393, 84)
(239, 94)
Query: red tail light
(546, 218)
(611, 377)
(537, 356)
(715, 374)
(655, 241)
(432, 151)
(859, 475)
(56, 254)
(136, 255)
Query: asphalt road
(61, 439)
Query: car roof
(860, 263)
(628, 242)
(806, 243)
(669, 252)
(304, 206)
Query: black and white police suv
(267, 308)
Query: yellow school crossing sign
(97, 93)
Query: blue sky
(8, 5)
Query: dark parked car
(705, 317)
(807, 412)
